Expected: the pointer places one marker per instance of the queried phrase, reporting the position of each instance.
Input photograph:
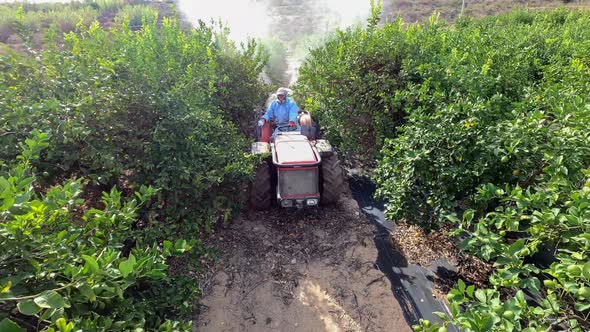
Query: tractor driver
(283, 111)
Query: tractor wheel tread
(333, 179)
(261, 189)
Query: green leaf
(91, 263)
(28, 308)
(87, 291)
(461, 286)
(156, 274)
(62, 234)
(481, 296)
(468, 215)
(6, 325)
(520, 297)
(582, 307)
(578, 256)
(180, 246)
(586, 270)
(453, 218)
(455, 309)
(126, 266)
(51, 299)
(486, 323)
(167, 246)
(441, 315)
(516, 247)
(6, 288)
(549, 283)
(47, 313)
(63, 325)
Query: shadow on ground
(412, 285)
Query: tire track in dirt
(311, 270)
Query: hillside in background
(37, 19)
(419, 10)
(65, 16)
(295, 25)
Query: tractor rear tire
(261, 191)
(332, 179)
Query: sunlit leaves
(145, 103)
(51, 300)
(28, 308)
(126, 266)
(58, 246)
(483, 124)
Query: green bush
(71, 268)
(153, 104)
(498, 135)
(127, 109)
(238, 89)
(346, 85)
(486, 119)
(38, 17)
(524, 173)
(136, 14)
(550, 215)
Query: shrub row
(37, 17)
(485, 119)
(67, 267)
(130, 108)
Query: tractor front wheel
(332, 179)
(261, 191)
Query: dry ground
(298, 271)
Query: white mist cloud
(245, 18)
(348, 12)
(262, 18)
(287, 19)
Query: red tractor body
(297, 165)
(300, 171)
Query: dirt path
(311, 271)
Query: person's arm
(293, 112)
(269, 115)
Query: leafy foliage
(345, 84)
(63, 17)
(551, 215)
(68, 268)
(144, 103)
(238, 89)
(486, 119)
(499, 121)
(129, 108)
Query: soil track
(313, 270)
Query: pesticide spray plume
(290, 24)
(246, 18)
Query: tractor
(301, 170)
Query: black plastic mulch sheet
(412, 285)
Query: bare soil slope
(308, 271)
(420, 10)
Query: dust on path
(313, 270)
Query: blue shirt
(282, 113)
